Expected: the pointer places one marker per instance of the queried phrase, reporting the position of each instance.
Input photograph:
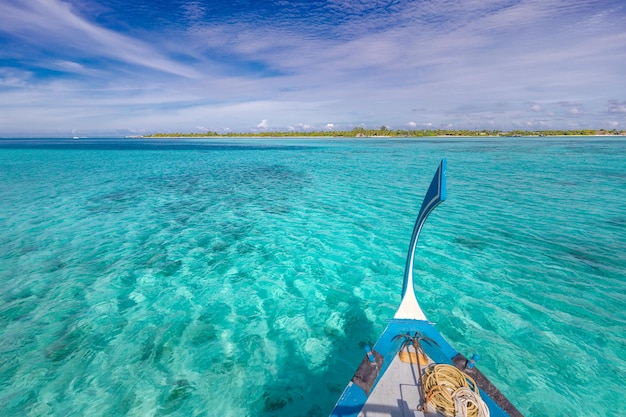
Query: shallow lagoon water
(243, 277)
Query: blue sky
(87, 67)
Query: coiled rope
(452, 392)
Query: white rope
(465, 400)
(452, 392)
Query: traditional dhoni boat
(412, 370)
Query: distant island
(384, 131)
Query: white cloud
(57, 26)
(616, 106)
(13, 78)
(69, 66)
(193, 10)
(330, 126)
(452, 60)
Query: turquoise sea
(243, 277)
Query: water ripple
(244, 279)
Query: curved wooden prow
(409, 307)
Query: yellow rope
(452, 392)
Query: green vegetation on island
(384, 131)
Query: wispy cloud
(54, 24)
(13, 78)
(474, 63)
(618, 107)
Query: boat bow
(390, 380)
(409, 307)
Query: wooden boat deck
(397, 393)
